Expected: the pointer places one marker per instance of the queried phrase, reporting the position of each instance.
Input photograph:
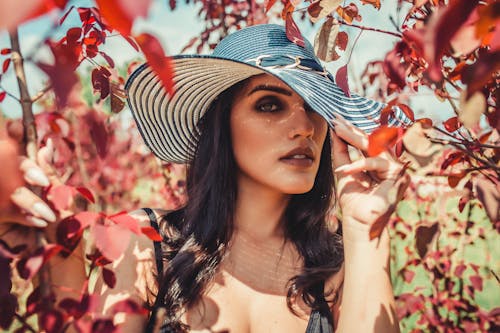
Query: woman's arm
(368, 190)
(367, 303)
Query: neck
(259, 210)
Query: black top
(320, 321)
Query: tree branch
(30, 147)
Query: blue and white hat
(168, 124)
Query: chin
(297, 188)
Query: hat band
(288, 62)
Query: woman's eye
(268, 106)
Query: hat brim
(168, 123)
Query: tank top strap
(321, 319)
(159, 265)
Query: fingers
(33, 174)
(350, 133)
(33, 205)
(380, 165)
(340, 154)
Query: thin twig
(10, 94)
(460, 147)
(362, 27)
(24, 322)
(41, 93)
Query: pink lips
(300, 157)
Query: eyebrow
(267, 87)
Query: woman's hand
(368, 188)
(18, 203)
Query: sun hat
(168, 124)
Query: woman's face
(277, 140)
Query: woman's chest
(230, 305)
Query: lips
(300, 156)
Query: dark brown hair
(204, 226)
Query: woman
(253, 249)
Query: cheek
(250, 138)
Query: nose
(301, 122)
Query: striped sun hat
(168, 124)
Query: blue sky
(175, 29)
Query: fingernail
(36, 222)
(340, 168)
(44, 211)
(36, 176)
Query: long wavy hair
(199, 233)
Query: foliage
(451, 47)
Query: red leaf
(452, 159)
(109, 277)
(425, 238)
(462, 202)
(73, 35)
(425, 122)
(477, 282)
(407, 111)
(408, 275)
(151, 233)
(349, 13)
(111, 240)
(382, 139)
(125, 220)
(128, 306)
(88, 218)
(477, 75)
(374, 3)
(33, 301)
(62, 73)
(484, 138)
(459, 270)
(155, 56)
(452, 124)
(28, 267)
(269, 4)
(108, 59)
(132, 43)
(86, 193)
(100, 81)
(5, 51)
(98, 133)
(342, 80)
(68, 234)
(5, 65)
(2, 96)
(51, 321)
(98, 259)
(121, 13)
(455, 178)
(393, 68)
(292, 31)
(61, 196)
(488, 192)
(72, 307)
(446, 22)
